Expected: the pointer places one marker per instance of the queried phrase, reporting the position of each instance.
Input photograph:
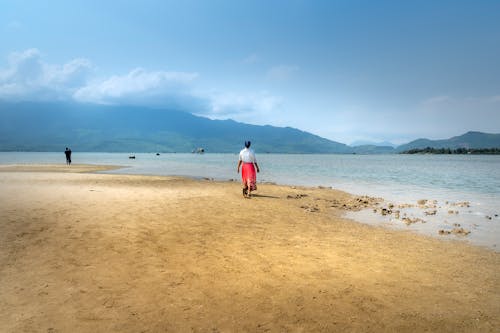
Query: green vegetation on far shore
(475, 151)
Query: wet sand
(86, 252)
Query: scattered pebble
(408, 220)
(297, 196)
(461, 204)
(385, 211)
(310, 209)
(455, 231)
(357, 203)
(430, 212)
(406, 205)
(460, 231)
(453, 212)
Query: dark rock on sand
(297, 196)
(460, 231)
(455, 231)
(409, 220)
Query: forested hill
(469, 140)
(30, 126)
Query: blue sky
(346, 70)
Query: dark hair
(247, 144)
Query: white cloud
(28, 77)
(137, 86)
(24, 68)
(281, 72)
(242, 106)
(71, 74)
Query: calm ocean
(396, 178)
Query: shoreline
(63, 168)
(390, 214)
(86, 252)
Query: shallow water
(397, 178)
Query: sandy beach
(89, 252)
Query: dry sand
(83, 252)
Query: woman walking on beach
(248, 164)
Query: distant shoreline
(458, 151)
(417, 151)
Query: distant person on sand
(248, 162)
(67, 152)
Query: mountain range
(37, 126)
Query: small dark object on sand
(297, 196)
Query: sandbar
(87, 252)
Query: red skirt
(248, 176)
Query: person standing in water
(67, 152)
(248, 164)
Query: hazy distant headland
(36, 126)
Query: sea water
(399, 179)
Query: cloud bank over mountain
(29, 78)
